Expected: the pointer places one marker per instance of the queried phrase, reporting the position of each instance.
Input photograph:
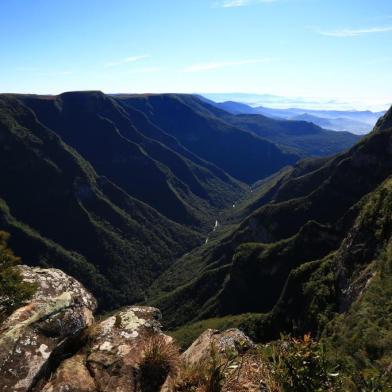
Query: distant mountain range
(309, 103)
(357, 122)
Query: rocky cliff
(54, 344)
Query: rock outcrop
(231, 342)
(214, 352)
(36, 334)
(53, 344)
(110, 359)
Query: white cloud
(355, 32)
(239, 3)
(127, 60)
(223, 64)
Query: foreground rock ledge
(110, 359)
(34, 334)
(52, 344)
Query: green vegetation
(120, 192)
(286, 365)
(344, 299)
(200, 128)
(361, 339)
(116, 245)
(304, 138)
(136, 155)
(331, 278)
(13, 290)
(305, 215)
(300, 364)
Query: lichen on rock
(231, 341)
(60, 309)
(110, 359)
(110, 354)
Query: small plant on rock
(190, 378)
(160, 359)
(207, 376)
(216, 370)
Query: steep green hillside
(304, 137)
(117, 178)
(130, 180)
(333, 280)
(131, 152)
(306, 214)
(60, 212)
(301, 137)
(197, 127)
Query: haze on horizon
(336, 51)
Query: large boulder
(111, 358)
(33, 336)
(231, 342)
(117, 346)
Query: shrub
(360, 340)
(379, 382)
(160, 359)
(301, 365)
(13, 290)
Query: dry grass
(160, 359)
(207, 376)
(250, 373)
(190, 379)
(245, 373)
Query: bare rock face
(117, 346)
(71, 376)
(232, 341)
(109, 362)
(29, 339)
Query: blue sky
(327, 49)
